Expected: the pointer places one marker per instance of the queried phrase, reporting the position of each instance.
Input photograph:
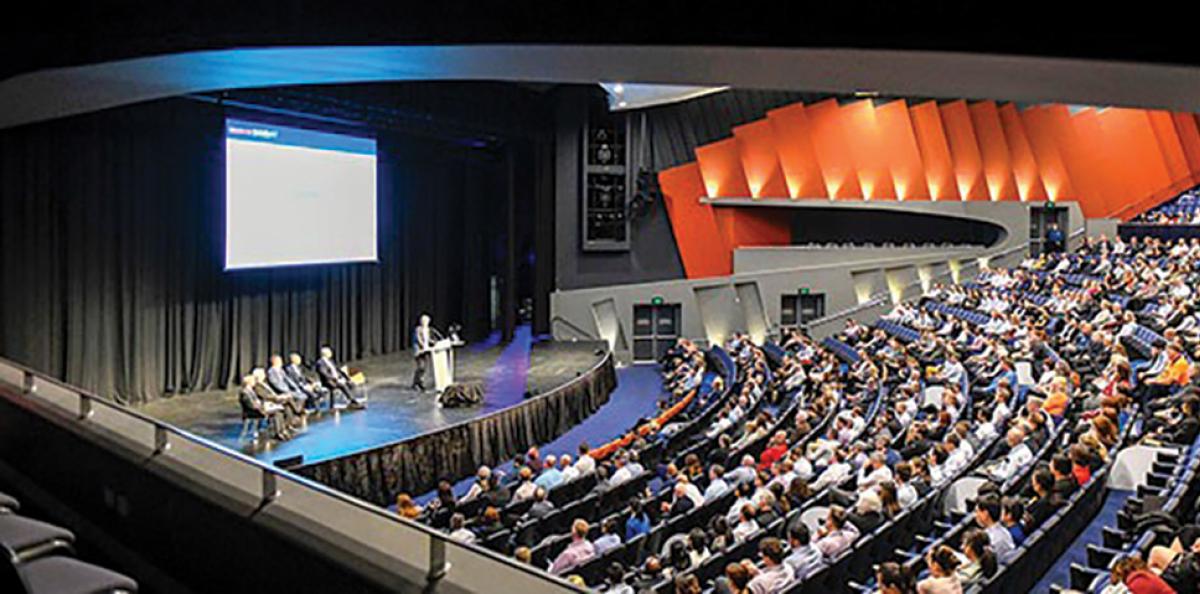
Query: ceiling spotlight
(618, 88)
(862, 93)
(622, 104)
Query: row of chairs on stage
(281, 396)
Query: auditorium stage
(394, 411)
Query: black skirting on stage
(415, 465)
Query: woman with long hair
(943, 578)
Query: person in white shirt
(746, 524)
(568, 470)
(875, 471)
(585, 463)
(1018, 456)
(834, 474)
(906, 494)
(459, 531)
(623, 472)
(479, 486)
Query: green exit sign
(657, 300)
(804, 290)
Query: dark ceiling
(42, 35)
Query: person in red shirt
(1137, 577)
(776, 449)
(1081, 459)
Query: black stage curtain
(415, 465)
(111, 255)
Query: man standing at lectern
(422, 342)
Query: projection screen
(295, 196)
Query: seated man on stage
(291, 402)
(295, 374)
(281, 383)
(253, 406)
(335, 379)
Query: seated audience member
(1045, 502)
(608, 539)
(550, 476)
(943, 577)
(480, 485)
(255, 407)
(987, 515)
(1179, 563)
(577, 553)
(981, 559)
(804, 557)
(894, 578)
(1065, 483)
(867, 514)
(336, 380)
(774, 575)
(697, 543)
(406, 507)
(459, 531)
(527, 487)
(1132, 573)
(1012, 511)
(746, 524)
(837, 535)
(1018, 456)
(735, 581)
(638, 522)
(541, 506)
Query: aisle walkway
(639, 388)
(1060, 572)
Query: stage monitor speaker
(461, 395)
(290, 462)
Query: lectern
(442, 352)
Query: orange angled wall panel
(1024, 165)
(964, 149)
(1172, 149)
(1189, 139)
(1148, 177)
(721, 167)
(797, 158)
(935, 151)
(700, 246)
(832, 150)
(1051, 166)
(901, 149)
(1098, 151)
(993, 147)
(756, 145)
(866, 147)
(1075, 155)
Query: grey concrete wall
(758, 259)
(1106, 227)
(711, 309)
(652, 255)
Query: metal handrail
(269, 493)
(574, 327)
(883, 296)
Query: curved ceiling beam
(60, 92)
